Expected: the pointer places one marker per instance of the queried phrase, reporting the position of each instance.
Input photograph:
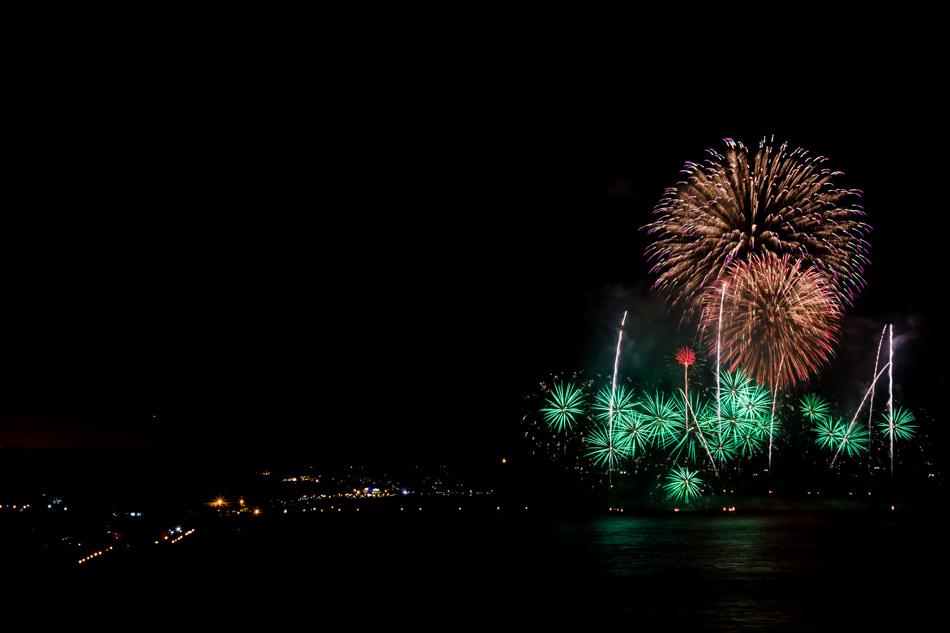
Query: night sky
(262, 265)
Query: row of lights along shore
(357, 509)
(109, 549)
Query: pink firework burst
(780, 321)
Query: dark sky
(215, 256)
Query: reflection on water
(749, 572)
(671, 572)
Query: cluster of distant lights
(181, 534)
(94, 555)
(176, 530)
(376, 493)
(221, 502)
(402, 509)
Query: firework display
(623, 426)
(766, 251)
(734, 207)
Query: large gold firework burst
(731, 208)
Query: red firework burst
(685, 356)
(779, 321)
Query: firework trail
(780, 320)
(890, 394)
(685, 357)
(733, 207)
(850, 438)
(613, 389)
(876, 360)
(718, 356)
(699, 432)
(855, 418)
(772, 419)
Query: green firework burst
(622, 406)
(661, 414)
(563, 404)
(756, 404)
(733, 386)
(854, 440)
(749, 439)
(903, 429)
(683, 484)
(733, 424)
(722, 448)
(828, 433)
(634, 433)
(814, 408)
(687, 430)
(606, 450)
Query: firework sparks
(687, 433)
(733, 424)
(855, 418)
(733, 207)
(614, 405)
(662, 416)
(899, 425)
(781, 320)
(603, 449)
(610, 426)
(849, 439)
(633, 433)
(890, 394)
(828, 432)
(735, 386)
(722, 448)
(685, 356)
(683, 484)
(814, 408)
(718, 356)
(563, 404)
(854, 440)
(876, 361)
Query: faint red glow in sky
(32, 429)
